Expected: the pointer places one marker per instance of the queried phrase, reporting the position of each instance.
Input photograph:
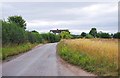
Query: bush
(34, 37)
(65, 35)
(89, 36)
(105, 35)
(50, 37)
(11, 33)
(53, 37)
(116, 35)
(83, 34)
(45, 37)
(18, 20)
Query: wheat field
(102, 54)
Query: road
(41, 61)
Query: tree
(50, 37)
(17, 20)
(105, 35)
(34, 37)
(117, 35)
(89, 36)
(11, 33)
(99, 34)
(65, 35)
(83, 34)
(35, 31)
(111, 35)
(93, 32)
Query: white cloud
(77, 17)
(93, 10)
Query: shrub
(116, 35)
(53, 37)
(11, 33)
(18, 20)
(34, 37)
(50, 37)
(89, 36)
(65, 35)
(83, 34)
(105, 35)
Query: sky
(76, 16)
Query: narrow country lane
(40, 61)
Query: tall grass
(11, 49)
(95, 55)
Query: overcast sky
(75, 16)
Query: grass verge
(12, 50)
(97, 56)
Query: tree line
(14, 31)
(94, 34)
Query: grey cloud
(54, 11)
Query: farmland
(99, 56)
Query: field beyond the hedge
(99, 56)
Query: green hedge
(11, 33)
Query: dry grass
(104, 52)
(96, 48)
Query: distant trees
(50, 37)
(89, 36)
(83, 34)
(53, 37)
(18, 20)
(116, 35)
(103, 35)
(34, 37)
(13, 31)
(93, 32)
(65, 35)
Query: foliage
(11, 33)
(116, 35)
(14, 33)
(93, 32)
(103, 35)
(53, 38)
(18, 20)
(34, 37)
(65, 35)
(99, 34)
(50, 37)
(89, 36)
(83, 34)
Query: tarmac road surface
(41, 61)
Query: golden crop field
(95, 55)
